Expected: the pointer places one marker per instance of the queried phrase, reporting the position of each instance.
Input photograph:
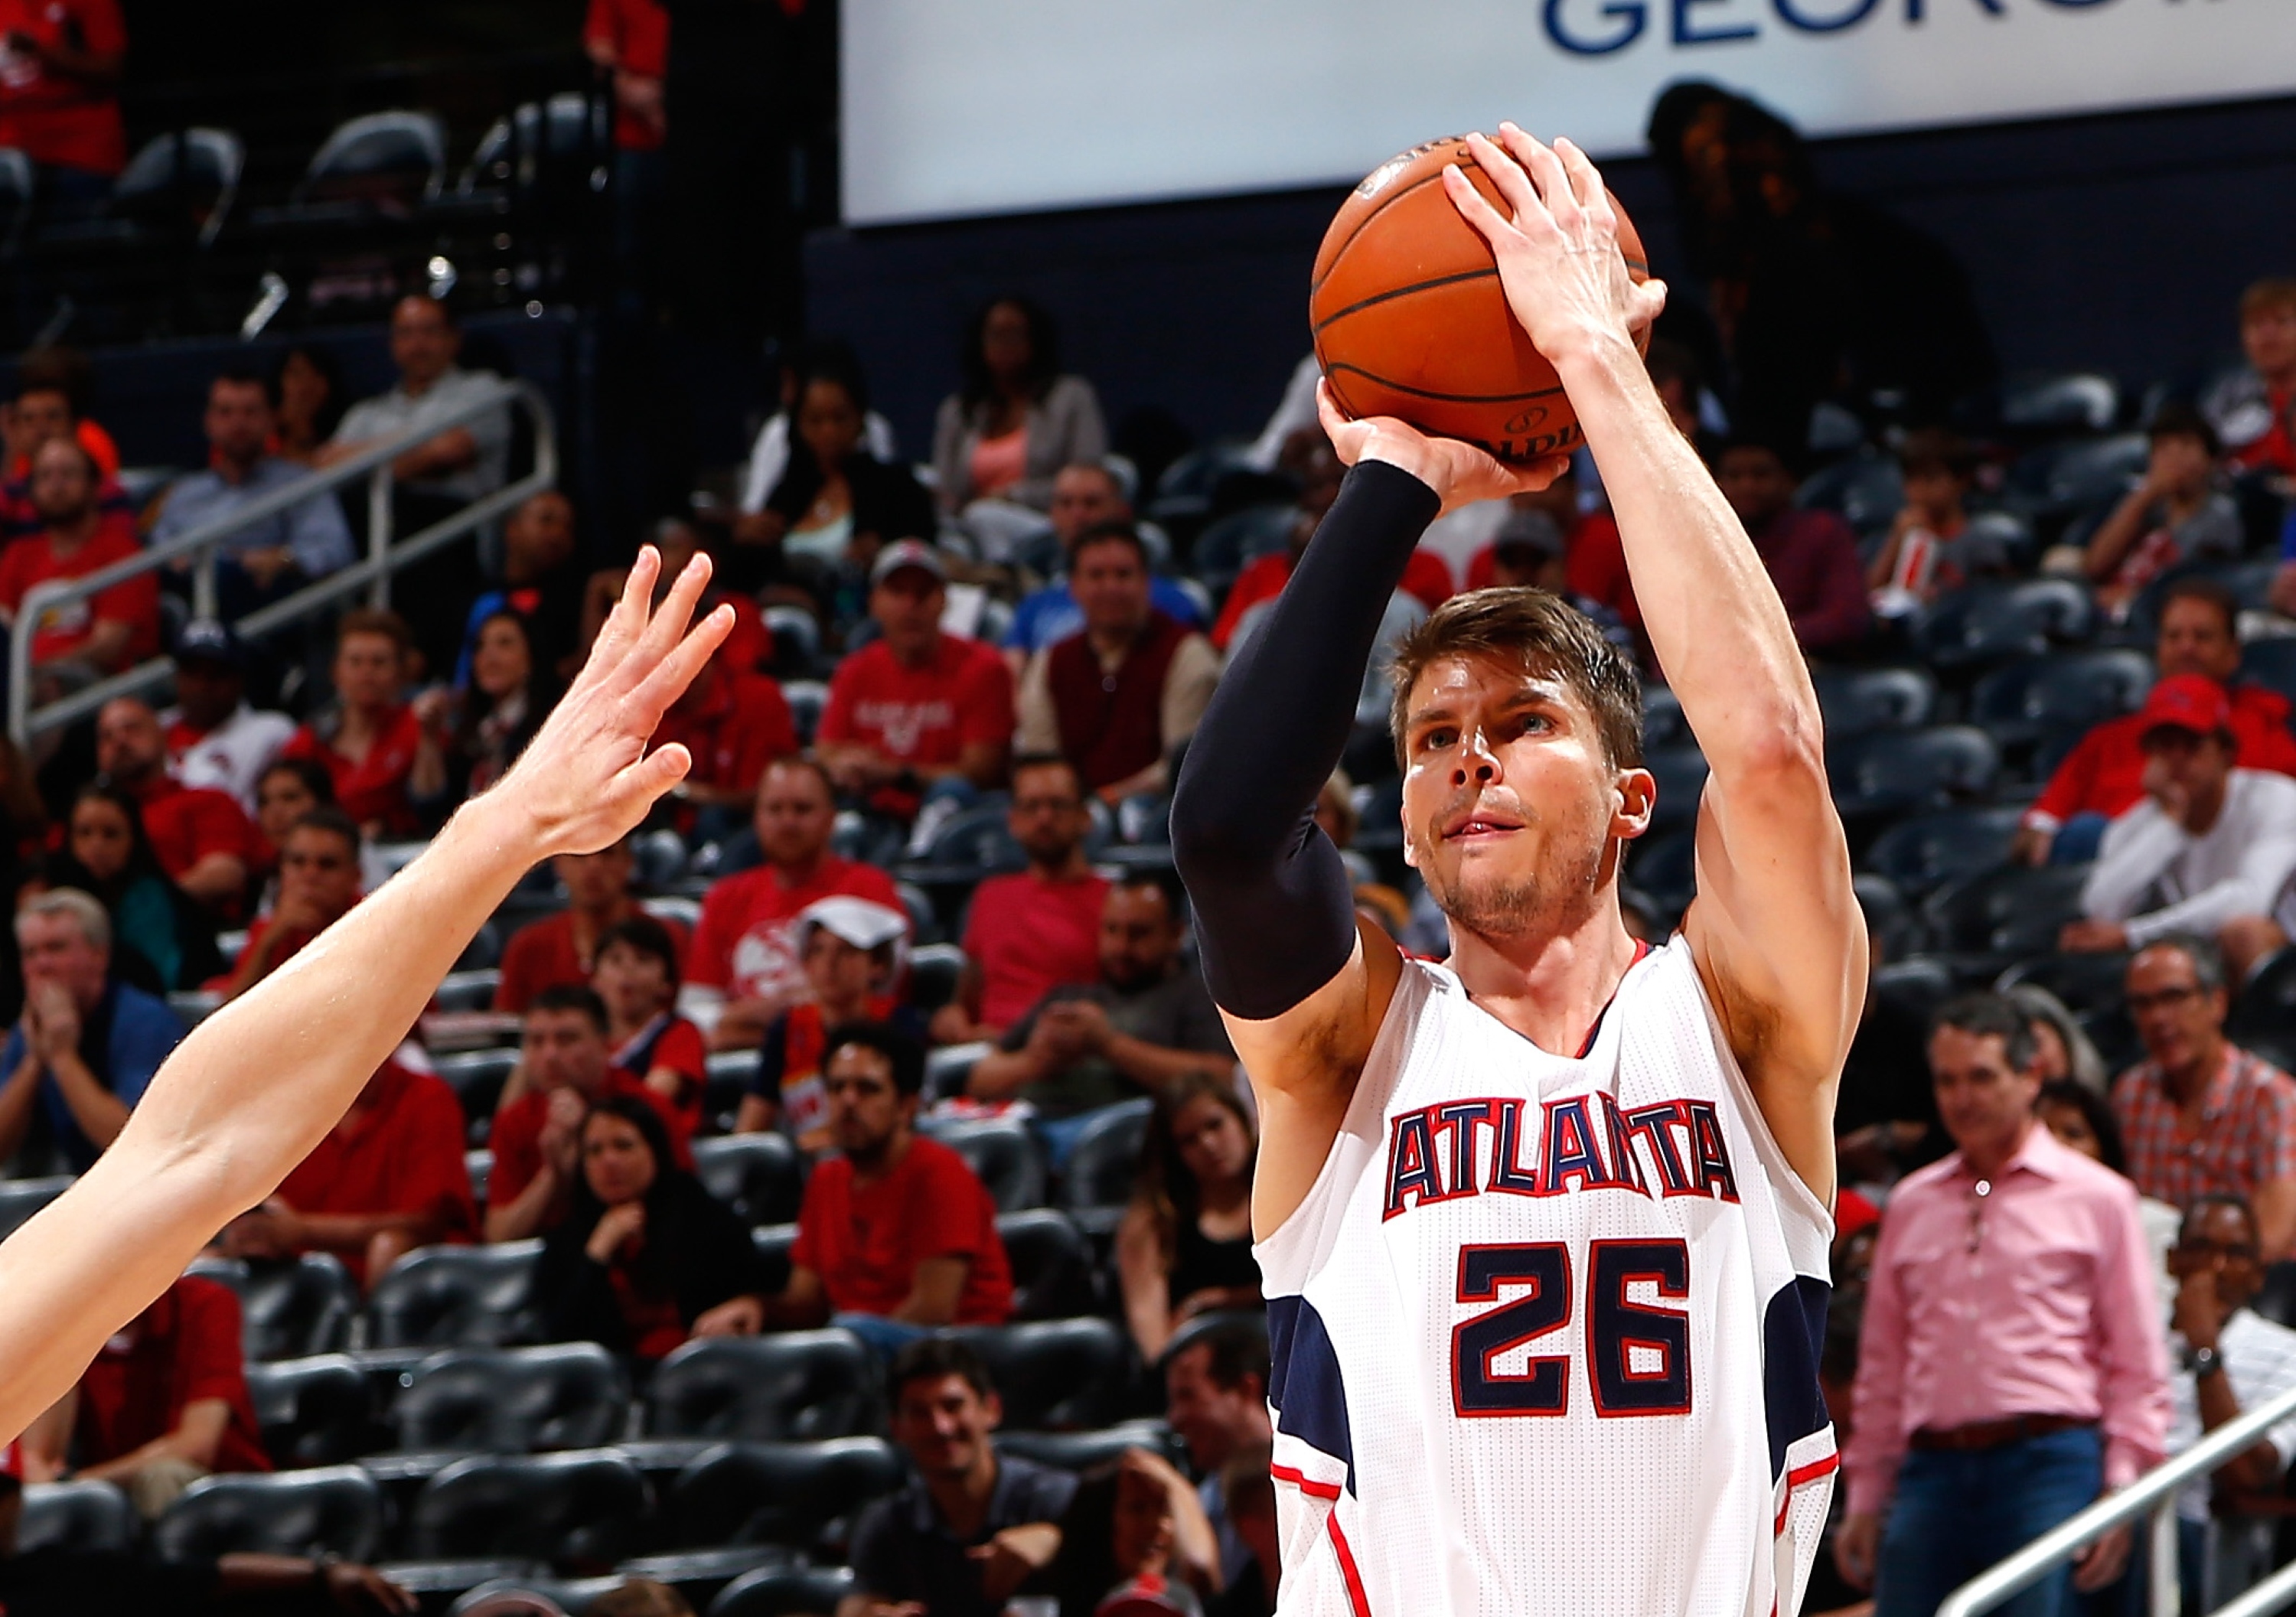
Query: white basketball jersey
(1544, 1331)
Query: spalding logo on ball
(1410, 319)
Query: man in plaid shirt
(2204, 1117)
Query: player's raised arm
(1775, 927)
(1300, 983)
(256, 1084)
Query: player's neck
(1550, 986)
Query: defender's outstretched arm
(259, 1083)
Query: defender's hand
(1558, 257)
(1460, 474)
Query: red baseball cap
(2187, 701)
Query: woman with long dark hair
(164, 938)
(1016, 418)
(1184, 1247)
(645, 1250)
(511, 693)
(837, 502)
(310, 387)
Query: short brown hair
(376, 621)
(1933, 450)
(1540, 633)
(2268, 296)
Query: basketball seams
(1338, 314)
(1371, 213)
(1341, 368)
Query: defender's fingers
(1507, 176)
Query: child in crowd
(2176, 515)
(853, 953)
(636, 977)
(1931, 546)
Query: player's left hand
(1459, 473)
(2101, 1562)
(1558, 257)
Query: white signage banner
(962, 107)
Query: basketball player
(1544, 1230)
(245, 1097)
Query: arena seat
(586, 1508)
(778, 1493)
(1917, 985)
(512, 1401)
(516, 1597)
(2043, 402)
(800, 1385)
(2267, 1001)
(2024, 704)
(85, 1516)
(784, 1592)
(1896, 930)
(177, 190)
(1096, 1181)
(1981, 625)
(1894, 772)
(1857, 701)
(934, 972)
(2271, 663)
(1925, 852)
(2087, 984)
(336, 1510)
(1052, 1275)
(20, 1199)
(1866, 489)
(2012, 911)
(758, 1175)
(17, 189)
(807, 699)
(974, 842)
(950, 1068)
(455, 1296)
(1058, 1374)
(549, 146)
(317, 1411)
(468, 991)
(1002, 1152)
(1662, 866)
(797, 642)
(1084, 1450)
(772, 1242)
(1664, 725)
(288, 1307)
(477, 1077)
(380, 163)
(2056, 480)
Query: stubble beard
(1547, 901)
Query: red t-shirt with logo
(50, 117)
(373, 788)
(183, 1350)
(733, 732)
(544, 955)
(399, 1150)
(516, 1138)
(671, 1041)
(865, 1242)
(1029, 936)
(64, 630)
(961, 697)
(741, 947)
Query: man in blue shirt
(86, 1045)
(284, 551)
(1084, 497)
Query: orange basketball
(1410, 320)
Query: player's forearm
(1712, 614)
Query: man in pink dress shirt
(2012, 1365)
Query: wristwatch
(2203, 1363)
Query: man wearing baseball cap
(216, 738)
(918, 722)
(2209, 849)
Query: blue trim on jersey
(1793, 1335)
(1304, 1386)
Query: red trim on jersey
(1642, 948)
(1358, 1602)
(1802, 1477)
(1305, 1484)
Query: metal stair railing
(199, 547)
(2155, 1494)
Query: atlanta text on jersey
(1587, 1142)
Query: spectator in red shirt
(389, 1177)
(59, 63)
(743, 971)
(637, 980)
(564, 948)
(48, 383)
(896, 1236)
(565, 1069)
(854, 952)
(370, 739)
(1030, 932)
(2103, 777)
(203, 838)
(1594, 558)
(165, 1403)
(1810, 555)
(916, 717)
(734, 724)
(74, 643)
(630, 39)
(318, 883)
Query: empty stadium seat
(1857, 701)
(1240, 537)
(477, 1077)
(2058, 479)
(1895, 771)
(179, 186)
(387, 163)
(512, 1400)
(86, 1516)
(337, 1510)
(1680, 773)
(1002, 1152)
(948, 1067)
(934, 972)
(2271, 663)
(728, 1082)
(1866, 489)
(2044, 401)
(455, 1296)
(580, 1510)
(313, 1411)
(1096, 1180)
(468, 991)
(1663, 868)
(516, 1597)
(1981, 625)
(784, 1592)
(801, 1385)
(18, 190)
(2036, 701)
(974, 841)
(778, 1493)
(2010, 911)
(20, 1199)
(807, 700)
(797, 641)
(758, 1175)
(2087, 984)
(1925, 852)
(289, 1308)
(772, 1242)
(1916, 985)
(1059, 1374)
(1084, 1450)
(2267, 1001)
(1052, 1276)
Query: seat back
(807, 700)
(1981, 624)
(2271, 663)
(512, 1400)
(313, 1411)
(2020, 702)
(950, 1068)
(1060, 1374)
(934, 970)
(783, 1591)
(534, 1597)
(977, 837)
(1105, 1157)
(772, 1243)
(392, 161)
(801, 1385)
(1866, 489)
(778, 1493)
(579, 1510)
(455, 1296)
(2267, 1002)
(1926, 851)
(1053, 1274)
(1894, 771)
(337, 1510)
(758, 1175)
(477, 1078)
(289, 1308)
(1082, 1451)
(20, 1199)
(2088, 985)
(2012, 911)
(1679, 774)
(1003, 1153)
(190, 174)
(1857, 701)
(85, 1516)
(1916, 985)
(18, 188)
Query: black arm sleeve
(1275, 912)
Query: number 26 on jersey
(1637, 1354)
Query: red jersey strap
(1641, 952)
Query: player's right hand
(1459, 473)
(1856, 1544)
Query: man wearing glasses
(2230, 1357)
(2200, 1116)
(2011, 1367)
